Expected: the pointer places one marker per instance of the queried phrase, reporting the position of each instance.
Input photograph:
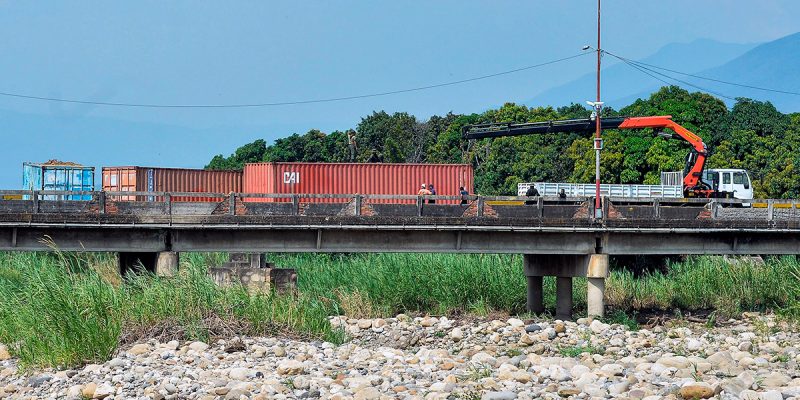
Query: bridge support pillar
(535, 294)
(596, 274)
(167, 263)
(564, 267)
(564, 298)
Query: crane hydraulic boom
(693, 184)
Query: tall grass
(440, 283)
(59, 312)
(65, 310)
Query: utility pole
(598, 141)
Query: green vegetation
(60, 311)
(575, 351)
(751, 135)
(67, 310)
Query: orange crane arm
(697, 158)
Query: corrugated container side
(351, 178)
(73, 178)
(147, 179)
(125, 179)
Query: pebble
(441, 358)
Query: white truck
(735, 181)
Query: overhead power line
(294, 102)
(652, 73)
(643, 67)
(655, 74)
(707, 78)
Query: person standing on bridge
(351, 144)
(423, 191)
(463, 194)
(532, 192)
(433, 193)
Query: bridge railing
(767, 209)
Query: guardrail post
(357, 203)
(770, 210)
(168, 199)
(232, 204)
(714, 209)
(481, 200)
(657, 209)
(35, 199)
(101, 201)
(420, 202)
(295, 205)
(540, 207)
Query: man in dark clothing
(375, 157)
(562, 195)
(463, 194)
(433, 193)
(532, 192)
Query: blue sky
(269, 51)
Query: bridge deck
(399, 223)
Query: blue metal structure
(72, 178)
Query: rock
(696, 390)
(560, 328)
(457, 335)
(679, 362)
(88, 390)
(734, 386)
(618, 388)
(104, 390)
(279, 351)
(170, 388)
(746, 346)
(749, 395)
(533, 328)
(139, 349)
(427, 322)
(240, 374)
(610, 370)
(771, 395)
(598, 327)
(527, 340)
(367, 393)
(74, 392)
(236, 394)
(4, 354)
(566, 392)
(446, 366)
(505, 395)
(693, 345)
(198, 347)
(36, 381)
(483, 358)
(290, 367)
(364, 324)
(721, 360)
(775, 380)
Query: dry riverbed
(436, 358)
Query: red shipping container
(146, 179)
(354, 178)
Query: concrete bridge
(557, 237)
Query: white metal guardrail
(606, 190)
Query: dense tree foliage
(752, 135)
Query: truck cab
(735, 182)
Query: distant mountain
(772, 65)
(621, 82)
